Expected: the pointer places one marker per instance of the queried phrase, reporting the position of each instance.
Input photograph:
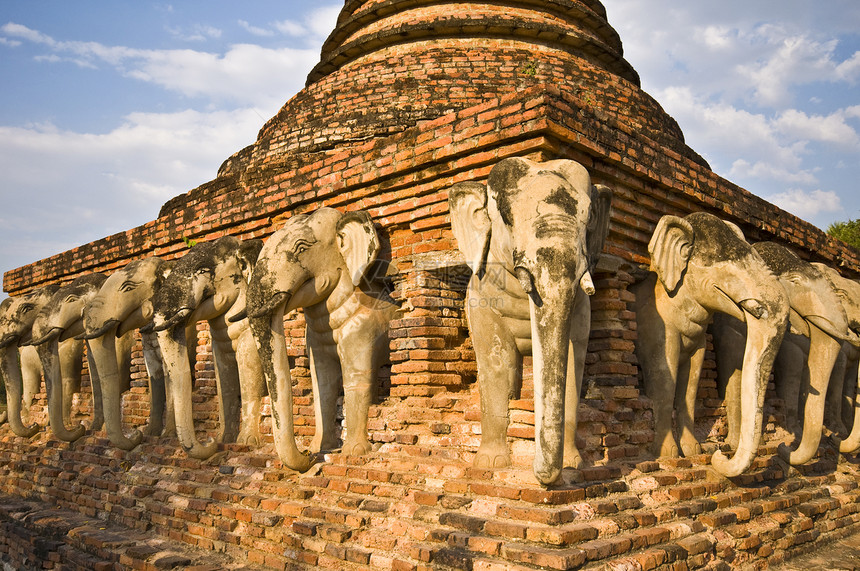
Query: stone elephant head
(208, 284)
(16, 329)
(122, 305)
(61, 354)
(700, 266)
(531, 239)
(320, 262)
(817, 314)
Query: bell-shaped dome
(392, 63)
(577, 26)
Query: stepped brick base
(91, 506)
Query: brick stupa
(409, 97)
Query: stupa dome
(389, 64)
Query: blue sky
(111, 107)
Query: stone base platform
(88, 505)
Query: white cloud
(805, 204)
(246, 74)
(770, 171)
(789, 60)
(197, 33)
(849, 70)
(254, 30)
(832, 129)
(317, 25)
(82, 186)
(25, 33)
(290, 28)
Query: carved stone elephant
(209, 283)
(319, 262)
(843, 399)
(842, 390)
(700, 266)
(122, 305)
(531, 238)
(61, 354)
(817, 314)
(19, 361)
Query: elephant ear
(598, 222)
(470, 223)
(671, 247)
(247, 256)
(357, 242)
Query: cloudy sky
(111, 107)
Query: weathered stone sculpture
(61, 354)
(818, 315)
(209, 284)
(701, 265)
(843, 399)
(844, 379)
(122, 305)
(25, 367)
(16, 324)
(320, 262)
(531, 239)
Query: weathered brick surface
(407, 100)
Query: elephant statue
(531, 238)
(61, 354)
(122, 305)
(819, 325)
(701, 265)
(322, 262)
(209, 283)
(843, 398)
(841, 394)
(19, 362)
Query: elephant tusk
(754, 308)
(7, 341)
(525, 279)
(97, 332)
(177, 318)
(269, 308)
(239, 316)
(50, 335)
(587, 284)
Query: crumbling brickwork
(409, 99)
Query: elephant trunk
(550, 322)
(102, 357)
(177, 366)
(14, 391)
(269, 333)
(49, 356)
(823, 350)
(764, 336)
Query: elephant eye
(128, 286)
(301, 247)
(201, 271)
(26, 308)
(71, 297)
